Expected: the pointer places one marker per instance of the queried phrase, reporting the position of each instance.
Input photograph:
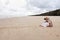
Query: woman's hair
(46, 18)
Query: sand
(28, 28)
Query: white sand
(27, 28)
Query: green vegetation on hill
(51, 13)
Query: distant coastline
(50, 13)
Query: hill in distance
(51, 13)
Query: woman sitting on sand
(47, 23)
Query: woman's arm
(50, 23)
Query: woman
(47, 23)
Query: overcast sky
(12, 8)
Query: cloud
(45, 4)
(12, 8)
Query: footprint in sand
(57, 35)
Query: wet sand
(27, 28)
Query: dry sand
(27, 28)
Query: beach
(28, 28)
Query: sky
(15, 8)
